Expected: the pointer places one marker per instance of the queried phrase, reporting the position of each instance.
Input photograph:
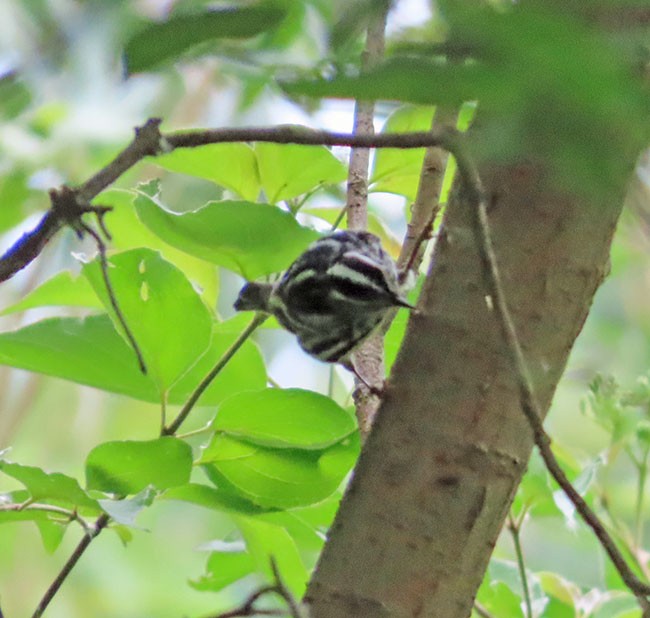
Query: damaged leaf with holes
(167, 318)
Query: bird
(333, 296)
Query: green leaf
(125, 511)
(90, 351)
(168, 40)
(215, 498)
(618, 605)
(501, 601)
(308, 537)
(398, 170)
(281, 478)
(245, 371)
(563, 591)
(248, 238)
(130, 233)
(232, 166)
(52, 533)
(289, 170)
(84, 350)
(224, 568)
(264, 542)
(62, 289)
(419, 80)
(45, 486)
(15, 95)
(284, 418)
(170, 323)
(375, 225)
(14, 191)
(128, 467)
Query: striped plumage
(333, 296)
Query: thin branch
(363, 124)
(247, 608)
(100, 524)
(68, 205)
(49, 508)
(529, 403)
(426, 206)
(103, 262)
(515, 529)
(310, 137)
(482, 611)
(173, 427)
(284, 592)
(368, 359)
(150, 142)
(29, 245)
(147, 142)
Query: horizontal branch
(291, 134)
(148, 141)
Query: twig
(147, 142)
(368, 363)
(514, 527)
(284, 592)
(103, 262)
(247, 608)
(310, 137)
(363, 124)
(529, 403)
(68, 205)
(425, 208)
(49, 508)
(100, 524)
(482, 611)
(173, 427)
(29, 245)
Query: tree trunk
(450, 444)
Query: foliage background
(70, 110)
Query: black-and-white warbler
(333, 296)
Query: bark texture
(450, 443)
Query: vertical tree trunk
(438, 473)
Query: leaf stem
(172, 428)
(642, 475)
(100, 524)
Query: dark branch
(290, 134)
(100, 524)
(28, 247)
(148, 141)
